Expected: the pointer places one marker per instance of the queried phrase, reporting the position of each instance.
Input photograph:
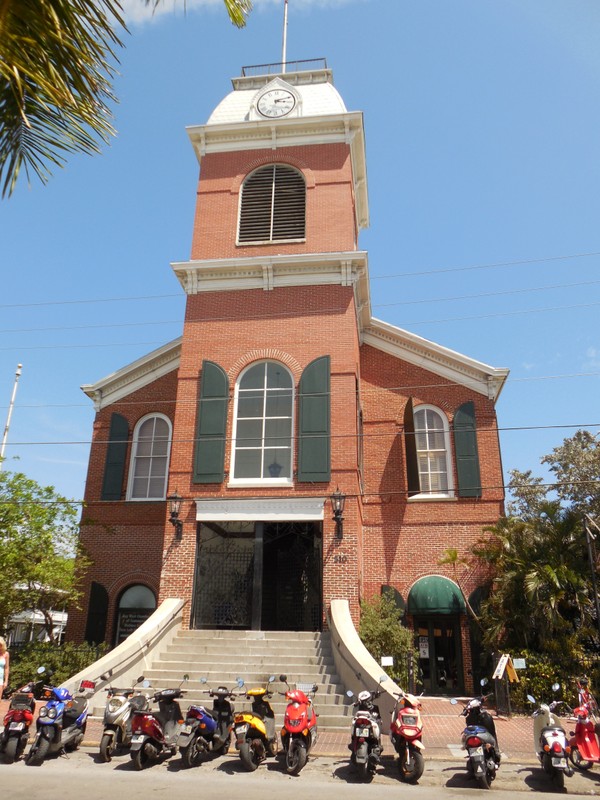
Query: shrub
(383, 634)
(63, 661)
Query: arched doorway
(436, 605)
(136, 604)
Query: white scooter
(550, 740)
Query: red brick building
(283, 389)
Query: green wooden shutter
(465, 449)
(314, 434)
(116, 453)
(410, 448)
(95, 627)
(209, 457)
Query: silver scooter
(120, 706)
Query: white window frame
(260, 481)
(449, 493)
(132, 461)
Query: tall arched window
(262, 439)
(272, 206)
(150, 458)
(433, 451)
(136, 604)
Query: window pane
(277, 464)
(140, 487)
(250, 404)
(144, 447)
(278, 432)
(137, 597)
(249, 433)
(247, 464)
(160, 447)
(278, 377)
(279, 404)
(158, 468)
(142, 467)
(254, 378)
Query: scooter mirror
(483, 682)
(106, 675)
(383, 678)
(186, 677)
(239, 682)
(315, 687)
(203, 680)
(146, 684)
(140, 679)
(349, 693)
(453, 701)
(41, 670)
(271, 678)
(531, 698)
(283, 678)
(555, 687)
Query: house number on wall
(340, 558)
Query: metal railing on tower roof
(281, 67)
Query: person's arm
(6, 668)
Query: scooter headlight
(43, 711)
(115, 704)
(52, 712)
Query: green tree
(39, 545)
(540, 593)
(57, 62)
(383, 634)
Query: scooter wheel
(365, 772)
(296, 758)
(412, 765)
(483, 780)
(191, 755)
(249, 757)
(140, 758)
(107, 747)
(38, 753)
(11, 751)
(578, 761)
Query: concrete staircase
(222, 656)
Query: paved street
(81, 775)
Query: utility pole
(590, 538)
(10, 410)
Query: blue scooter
(207, 731)
(61, 721)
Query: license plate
(559, 762)
(240, 730)
(476, 751)
(365, 732)
(186, 729)
(16, 726)
(136, 738)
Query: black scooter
(479, 740)
(155, 732)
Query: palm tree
(539, 594)
(56, 67)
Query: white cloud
(592, 359)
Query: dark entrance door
(258, 575)
(440, 662)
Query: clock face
(276, 103)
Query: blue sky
(482, 126)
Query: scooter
(550, 740)
(61, 721)
(120, 705)
(479, 740)
(255, 735)
(154, 733)
(585, 739)
(17, 721)
(406, 733)
(299, 732)
(204, 731)
(365, 743)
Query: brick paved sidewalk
(441, 734)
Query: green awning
(435, 595)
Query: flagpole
(10, 410)
(284, 47)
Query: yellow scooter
(255, 735)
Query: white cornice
(134, 376)
(345, 127)
(435, 358)
(272, 272)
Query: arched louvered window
(150, 458)
(273, 205)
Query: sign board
(505, 665)
(387, 661)
(423, 647)
(519, 663)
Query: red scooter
(17, 721)
(406, 732)
(299, 732)
(585, 741)
(155, 733)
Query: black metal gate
(258, 575)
